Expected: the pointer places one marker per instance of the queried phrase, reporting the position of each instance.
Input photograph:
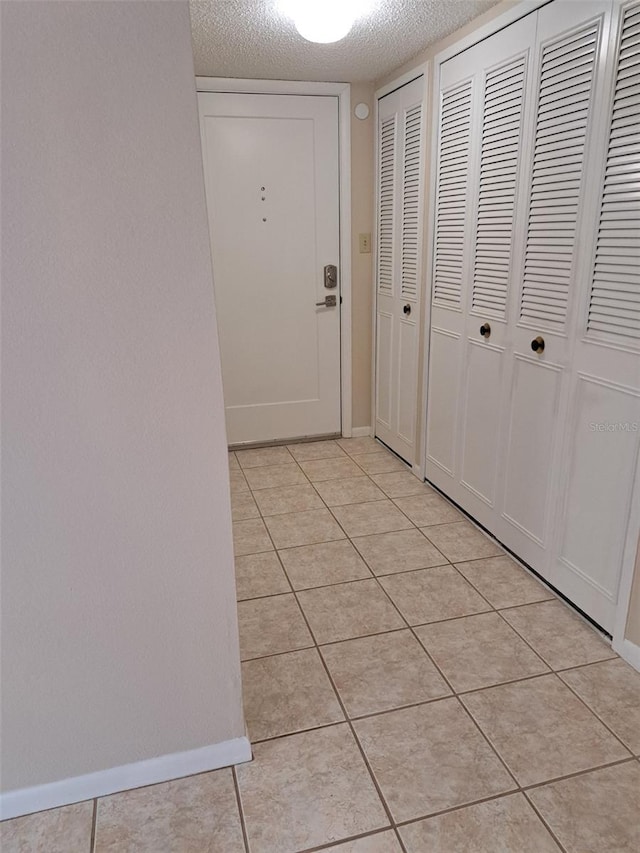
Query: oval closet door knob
(537, 344)
(407, 309)
(485, 330)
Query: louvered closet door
(399, 245)
(534, 429)
(603, 428)
(484, 93)
(568, 68)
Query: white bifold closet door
(480, 170)
(534, 385)
(596, 528)
(398, 275)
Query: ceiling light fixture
(324, 21)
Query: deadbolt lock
(331, 276)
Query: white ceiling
(250, 38)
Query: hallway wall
(119, 633)
(362, 221)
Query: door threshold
(277, 442)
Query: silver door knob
(328, 302)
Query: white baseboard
(360, 432)
(115, 779)
(630, 652)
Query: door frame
(625, 648)
(423, 71)
(341, 91)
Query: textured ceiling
(250, 38)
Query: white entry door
(272, 186)
(399, 276)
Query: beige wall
(362, 221)
(119, 635)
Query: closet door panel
(446, 353)
(570, 54)
(410, 269)
(450, 271)
(407, 380)
(386, 203)
(503, 109)
(504, 95)
(386, 266)
(566, 75)
(613, 311)
(597, 497)
(483, 107)
(384, 365)
(452, 195)
(531, 433)
(400, 218)
(482, 416)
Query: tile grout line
(243, 826)
(400, 840)
(535, 785)
(94, 823)
(332, 844)
(544, 822)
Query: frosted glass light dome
(324, 21)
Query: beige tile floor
(407, 687)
